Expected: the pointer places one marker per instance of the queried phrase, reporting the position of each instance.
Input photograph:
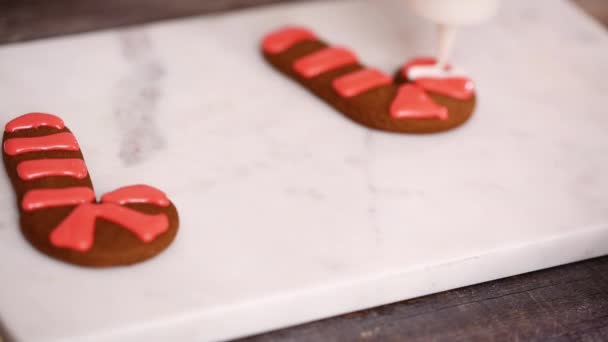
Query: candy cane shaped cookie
(419, 100)
(59, 212)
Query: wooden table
(561, 304)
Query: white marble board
(289, 211)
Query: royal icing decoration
(39, 168)
(418, 62)
(77, 230)
(34, 120)
(137, 194)
(48, 198)
(430, 101)
(282, 40)
(55, 142)
(412, 102)
(324, 60)
(360, 81)
(445, 81)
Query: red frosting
(324, 60)
(283, 39)
(38, 168)
(77, 230)
(46, 198)
(360, 81)
(412, 102)
(457, 87)
(34, 120)
(137, 194)
(61, 141)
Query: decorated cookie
(423, 98)
(60, 214)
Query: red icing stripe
(47, 198)
(324, 60)
(34, 120)
(458, 87)
(285, 38)
(77, 231)
(137, 194)
(61, 141)
(38, 168)
(412, 102)
(360, 81)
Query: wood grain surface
(22, 20)
(566, 303)
(598, 9)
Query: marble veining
(372, 188)
(289, 212)
(138, 94)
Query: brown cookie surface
(59, 212)
(364, 95)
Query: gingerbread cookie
(60, 215)
(421, 99)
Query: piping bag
(449, 16)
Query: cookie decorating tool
(449, 15)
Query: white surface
(289, 211)
(454, 12)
